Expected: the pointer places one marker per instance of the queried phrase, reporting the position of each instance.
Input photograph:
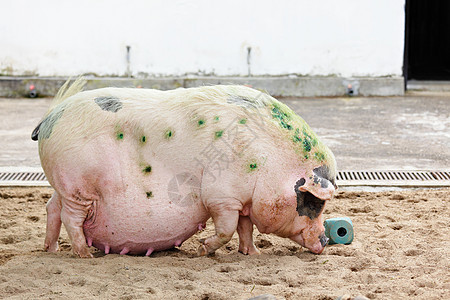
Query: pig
(142, 170)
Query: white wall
(322, 37)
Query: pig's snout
(319, 246)
(316, 246)
(323, 240)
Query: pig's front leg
(225, 215)
(73, 215)
(53, 223)
(245, 231)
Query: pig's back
(170, 124)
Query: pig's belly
(142, 225)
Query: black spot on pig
(45, 128)
(109, 103)
(35, 133)
(147, 169)
(323, 172)
(307, 204)
(242, 101)
(323, 182)
(299, 183)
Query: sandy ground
(401, 251)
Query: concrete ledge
(428, 85)
(285, 86)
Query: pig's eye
(308, 204)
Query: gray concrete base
(284, 86)
(428, 85)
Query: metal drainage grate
(344, 178)
(23, 179)
(394, 178)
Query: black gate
(427, 44)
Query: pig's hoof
(252, 250)
(83, 253)
(51, 248)
(202, 251)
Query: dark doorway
(427, 40)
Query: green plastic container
(339, 230)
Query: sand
(401, 250)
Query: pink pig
(140, 170)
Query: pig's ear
(318, 185)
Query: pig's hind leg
(225, 215)
(245, 231)
(53, 223)
(73, 214)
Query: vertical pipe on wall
(128, 72)
(249, 50)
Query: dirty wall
(224, 38)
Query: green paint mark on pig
(320, 156)
(282, 115)
(218, 134)
(147, 169)
(253, 165)
(285, 125)
(296, 138)
(149, 194)
(306, 145)
(308, 141)
(168, 134)
(119, 132)
(201, 123)
(303, 138)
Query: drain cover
(394, 178)
(23, 179)
(344, 178)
